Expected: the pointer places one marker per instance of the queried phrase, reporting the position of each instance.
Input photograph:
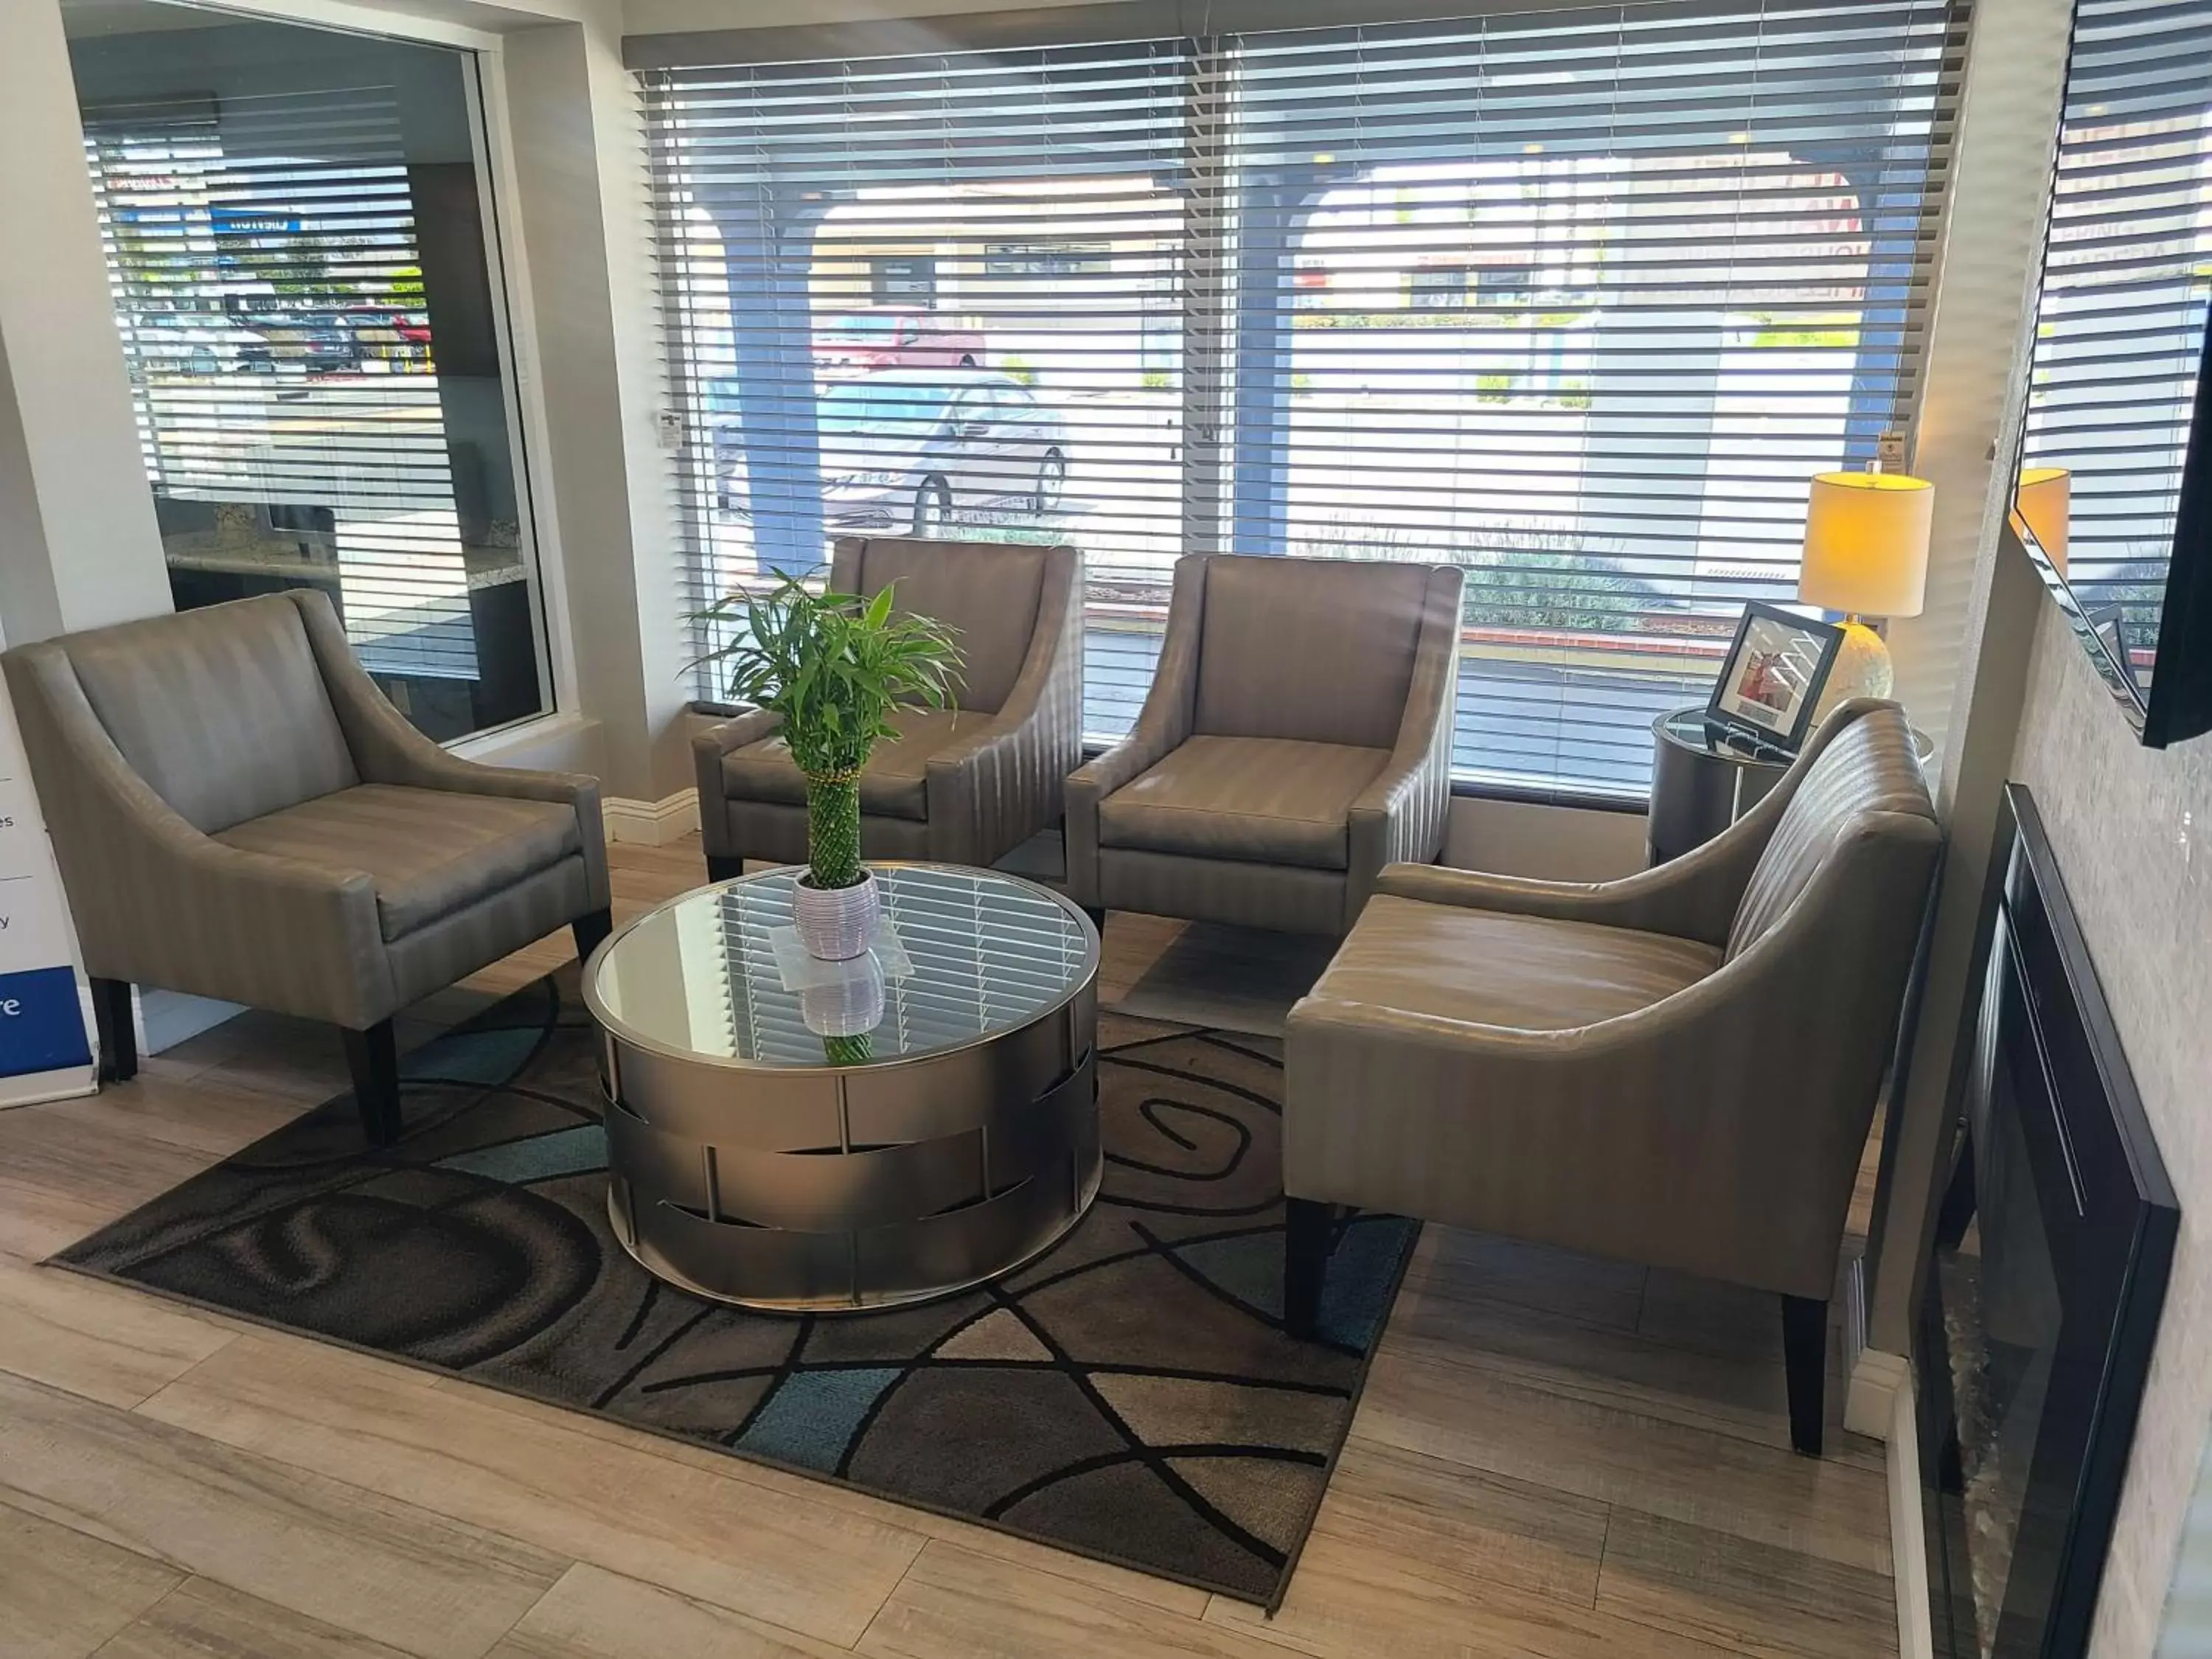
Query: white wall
(2132, 829)
(603, 480)
(2188, 1632)
(1544, 843)
(78, 543)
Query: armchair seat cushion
(1255, 800)
(431, 852)
(893, 784)
(1519, 972)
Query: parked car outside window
(312, 342)
(919, 449)
(861, 342)
(195, 343)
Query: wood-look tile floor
(1555, 1457)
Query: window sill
(1462, 788)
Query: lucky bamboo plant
(834, 665)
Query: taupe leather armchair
(965, 786)
(1677, 1069)
(1297, 739)
(239, 813)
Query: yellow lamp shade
(2044, 501)
(1866, 543)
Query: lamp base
(1861, 670)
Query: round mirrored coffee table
(805, 1136)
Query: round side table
(1704, 777)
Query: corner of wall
(1972, 658)
(82, 548)
(574, 126)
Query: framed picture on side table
(1772, 679)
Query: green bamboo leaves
(834, 665)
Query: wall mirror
(2113, 498)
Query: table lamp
(1866, 554)
(2044, 499)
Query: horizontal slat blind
(1575, 299)
(2121, 322)
(1579, 300)
(1026, 209)
(264, 261)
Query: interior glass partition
(298, 239)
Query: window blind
(1020, 377)
(1576, 300)
(262, 253)
(2121, 321)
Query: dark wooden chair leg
(119, 1041)
(1097, 915)
(591, 931)
(720, 868)
(1307, 1224)
(373, 1057)
(1805, 1361)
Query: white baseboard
(651, 822)
(1874, 1374)
(1908, 1543)
(1869, 1403)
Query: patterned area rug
(1130, 1396)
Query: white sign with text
(44, 1054)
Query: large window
(1575, 300)
(296, 243)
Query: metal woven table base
(855, 1225)
(910, 1127)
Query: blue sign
(41, 1024)
(253, 221)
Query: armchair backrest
(1316, 649)
(1866, 771)
(986, 592)
(222, 711)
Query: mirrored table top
(1690, 729)
(717, 973)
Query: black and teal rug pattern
(1130, 1396)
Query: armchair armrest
(388, 748)
(992, 788)
(1717, 1131)
(1088, 787)
(709, 749)
(157, 903)
(1403, 813)
(1163, 726)
(1694, 897)
(729, 736)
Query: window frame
(1205, 447)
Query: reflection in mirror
(2112, 494)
